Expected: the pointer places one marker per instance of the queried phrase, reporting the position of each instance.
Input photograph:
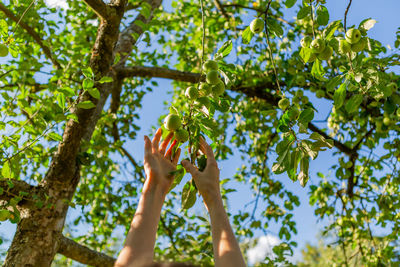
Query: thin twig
(312, 18)
(345, 15)
(269, 46)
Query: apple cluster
(293, 110)
(320, 49)
(353, 42)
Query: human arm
(158, 164)
(226, 248)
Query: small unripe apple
(284, 103)
(359, 46)
(212, 77)
(304, 100)
(3, 50)
(387, 91)
(300, 80)
(348, 165)
(387, 121)
(172, 122)
(326, 54)
(344, 46)
(353, 36)
(306, 42)
(392, 86)
(299, 93)
(320, 93)
(398, 112)
(181, 135)
(203, 101)
(295, 100)
(4, 215)
(192, 93)
(318, 45)
(218, 89)
(291, 70)
(204, 89)
(257, 26)
(210, 65)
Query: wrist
(213, 202)
(153, 191)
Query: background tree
(73, 81)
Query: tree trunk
(36, 240)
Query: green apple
(300, 80)
(306, 42)
(398, 112)
(358, 47)
(181, 135)
(326, 54)
(353, 36)
(284, 103)
(318, 45)
(344, 46)
(392, 86)
(218, 89)
(304, 100)
(204, 89)
(172, 122)
(299, 93)
(320, 93)
(386, 91)
(4, 215)
(192, 93)
(3, 50)
(387, 121)
(291, 70)
(257, 26)
(210, 65)
(203, 101)
(212, 77)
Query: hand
(158, 165)
(207, 181)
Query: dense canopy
(72, 82)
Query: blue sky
(385, 12)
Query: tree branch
(82, 254)
(156, 72)
(99, 7)
(32, 33)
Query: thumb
(189, 167)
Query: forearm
(139, 244)
(226, 248)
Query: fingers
(176, 157)
(206, 149)
(156, 140)
(169, 152)
(164, 143)
(147, 146)
(190, 168)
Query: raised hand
(207, 181)
(159, 164)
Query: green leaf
(317, 70)
(179, 173)
(247, 35)
(66, 91)
(367, 24)
(353, 103)
(339, 96)
(86, 105)
(322, 15)
(306, 53)
(290, 3)
(304, 12)
(55, 136)
(6, 170)
(3, 28)
(275, 27)
(331, 29)
(145, 11)
(303, 174)
(188, 196)
(94, 92)
(225, 49)
(88, 72)
(87, 83)
(61, 100)
(106, 79)
(307, 145)
(306, 116)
